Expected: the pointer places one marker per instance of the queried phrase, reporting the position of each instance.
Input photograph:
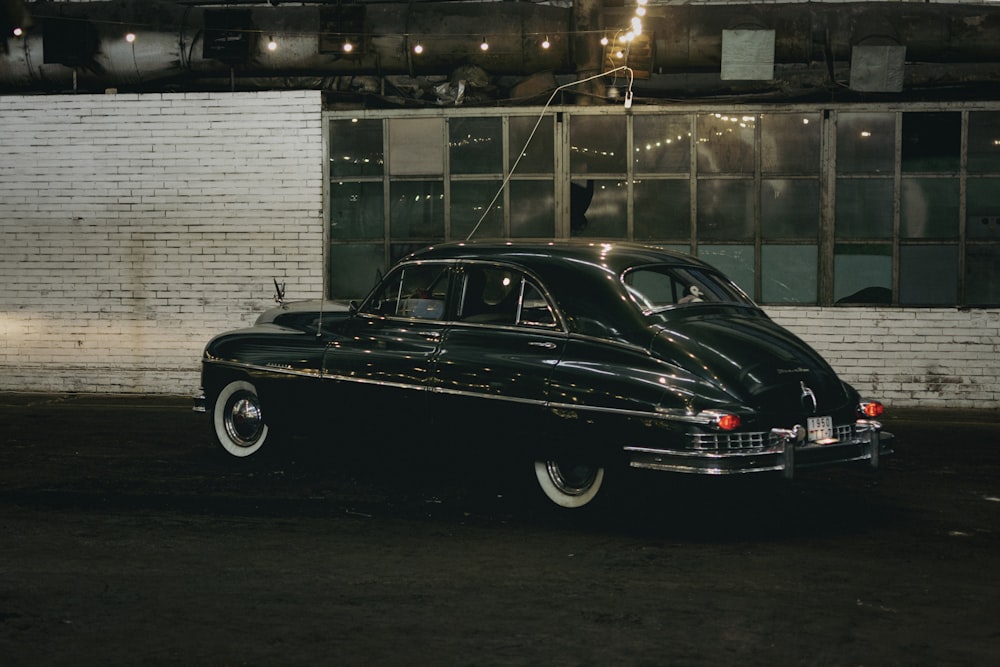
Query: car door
(494, 363)
(381, 361)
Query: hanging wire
(538, 122)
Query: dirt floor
(128, 539)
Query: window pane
(416, 146)
(788, 273)
(604, 215)
(662, 144)
(725, 209)
(735, 261)
(789, 209)
(983, 214)
(476, 145)
(866, 142)
(864, 208)
(984, 141)
(469, 200)
(862, 273)
(725, 143)
(356, 148)
(532, 209)
(931, 141)
(982, 275)
(921, 286)
(354, 268)
(661, 209)
(416, 210)
(356, 211)
(790, 143)
(929, 208)
(597, 144)
(538, 156)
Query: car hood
(752, 358)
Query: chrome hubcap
(244, 422)
(572, 479)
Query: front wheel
(569, 484)
(238, 419)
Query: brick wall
(132, 228)
(907, 356)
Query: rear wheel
(238, 420)
(569, 484)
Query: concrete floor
(128, 539)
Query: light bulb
(546, 43)
(130, 37)
(348, 47)
(271, 44)
(418, 49)
(485, 46)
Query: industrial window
(851, 205)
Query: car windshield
(658, 288)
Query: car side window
(535, 310)
(419, 291)
(498, 295)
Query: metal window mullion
(446, 175)
(827, 215)
(693, 183)
(758, 180)
(897, 193)
(629, 179)
(963, 210)
(504, 176)
(386, 199)
(561, 171)
(326, 137)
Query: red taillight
(728, 422)
(871, 409)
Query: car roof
(613, 256)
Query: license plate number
(820, 430)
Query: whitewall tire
(238, 419)
(569, 484)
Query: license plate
(820, 430)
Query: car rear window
(659, 287)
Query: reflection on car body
(579, 357)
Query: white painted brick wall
(135, 227)
(907, 356)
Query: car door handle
(541, 343)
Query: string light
(419, 48)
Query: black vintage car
(577, 357)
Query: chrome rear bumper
(784, 450)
